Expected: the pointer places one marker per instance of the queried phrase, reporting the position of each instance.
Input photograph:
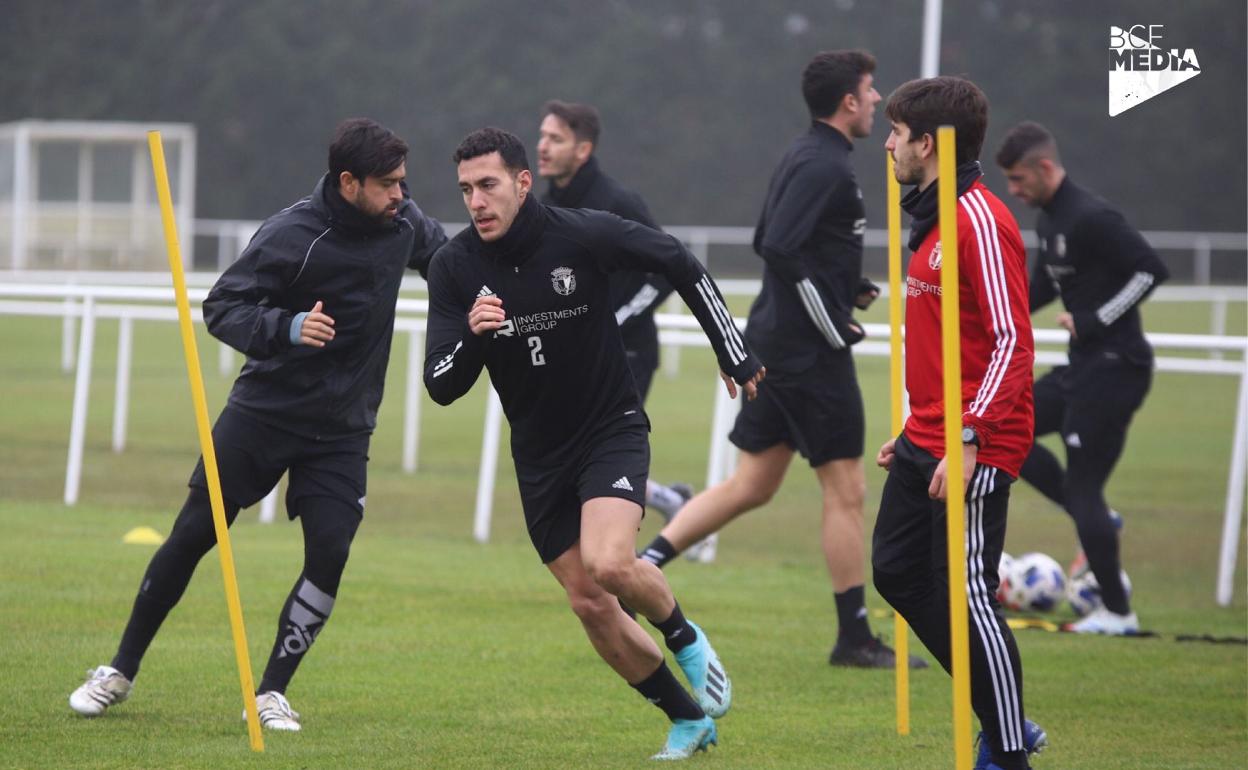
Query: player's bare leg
(617, 638)
(844, 488)
(752, 485)
(608, 533)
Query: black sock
(659, 552)
(677, 633)
(307, 608)
(662, 689)
(851, 614)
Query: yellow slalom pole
(951, 350)
(896, 298)
(205, 440)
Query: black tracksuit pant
(908, 555)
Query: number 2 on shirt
(535, 351)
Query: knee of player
(845, 499)
(611, 572)
(749, 496)
(328, 554)
(592, 607)
(888, 586)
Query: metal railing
(148, 303)
(232, 235)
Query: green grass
(446, 653)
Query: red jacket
(997, 348)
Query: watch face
(968, 436)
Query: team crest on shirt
(933, 259)
(563, 280)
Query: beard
(379, 215)
(907, 174)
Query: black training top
(319, 249)
(1101, 267)
(558, 364)
(633, 295)
(810, 236)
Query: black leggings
(329, 526)
(1091, 408)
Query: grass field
(446, 653)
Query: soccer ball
(1084, 592)
(1034, 582)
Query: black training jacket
(321, 248)
(558, 364)
(810, 237)
(634, 295)
(1101, 267)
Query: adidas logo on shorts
(622, 483)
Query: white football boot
(275, 712)
(1103, 621)
(105, 686)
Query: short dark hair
(927, 103)
(583, 119)
(1024, 141)
(364, 148)
(484, 141)
(831, 75)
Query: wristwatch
(969, 436)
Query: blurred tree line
(699, 98)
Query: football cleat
(275, 712)
(711, 686)
(704, 551)
(873, 654)
(105, 686)
(1103, 621)
(687, 737)
(1035, 739)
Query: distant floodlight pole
(929, 65)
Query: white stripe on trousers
(1000, 668)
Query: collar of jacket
(924, 207)
(1061, 192)
(571, 195)
(821, 129)
(345, 216)
(517, 243)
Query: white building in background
(79, 195)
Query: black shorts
(613, 462)
(817, 412)
(252, 456)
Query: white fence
(232, 235)
(91, 302)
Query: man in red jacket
(909, 544)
